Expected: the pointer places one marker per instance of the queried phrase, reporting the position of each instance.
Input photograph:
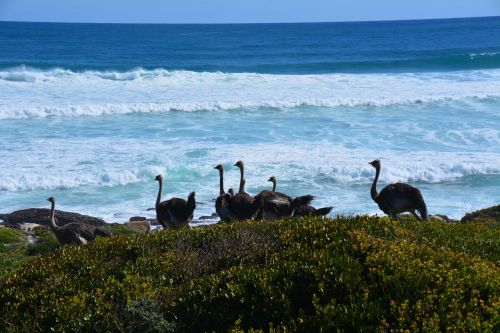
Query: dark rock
(442, 218)
(143, 225)
(137, 218)
(210, 217)
(491, 214)
(153, 222)
(41, 216)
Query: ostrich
(274, 205)
(174, 213)
(222, 201)
(398, 197)
(304, 210)
(241, 204)
(74, 233)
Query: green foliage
(15, 250)
(123, 229)
(302, 275)
(46, 242)
(11, 235)
(12, 245)
(142, 316)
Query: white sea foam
(26, 92)
(304, 165)
(324, 161)
(39, 181)
(106, 179)
(107, 166)
(474, 55)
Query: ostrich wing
(242, 206)
(400, 196)
(77, 233)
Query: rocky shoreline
(30, 218)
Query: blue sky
(239, 11)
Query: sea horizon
(251, 23)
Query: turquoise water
(91, 118)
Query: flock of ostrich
(176, 213)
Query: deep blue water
(262, 48)
(90, 113)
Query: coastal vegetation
(305, 274)
(18, 247)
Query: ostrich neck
(191, 201)
(373, 190)
(221, 181)
(158, 199)
(53, 224)
(242, 176)
(274, 185)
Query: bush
(12, 245)
(305, 275)
(15, 250)
(46, 244)
(11, 235)
(142, 316)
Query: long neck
(274, 184)
(242, 176)
(191, 202)
(53, 224)
(158, 199)
(373, 190)
(221, 181)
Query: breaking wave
(28, 92)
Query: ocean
(90, 113)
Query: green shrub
(142, 316)
(12, 245)
(46, 242)
(302, 275)
(15, 250)
(123, 229)
(11, 235)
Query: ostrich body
(308, 210)
(74, 233)
(398, 197)
(304, 210)
(174, 213)
(274, 205)
(241, 204)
